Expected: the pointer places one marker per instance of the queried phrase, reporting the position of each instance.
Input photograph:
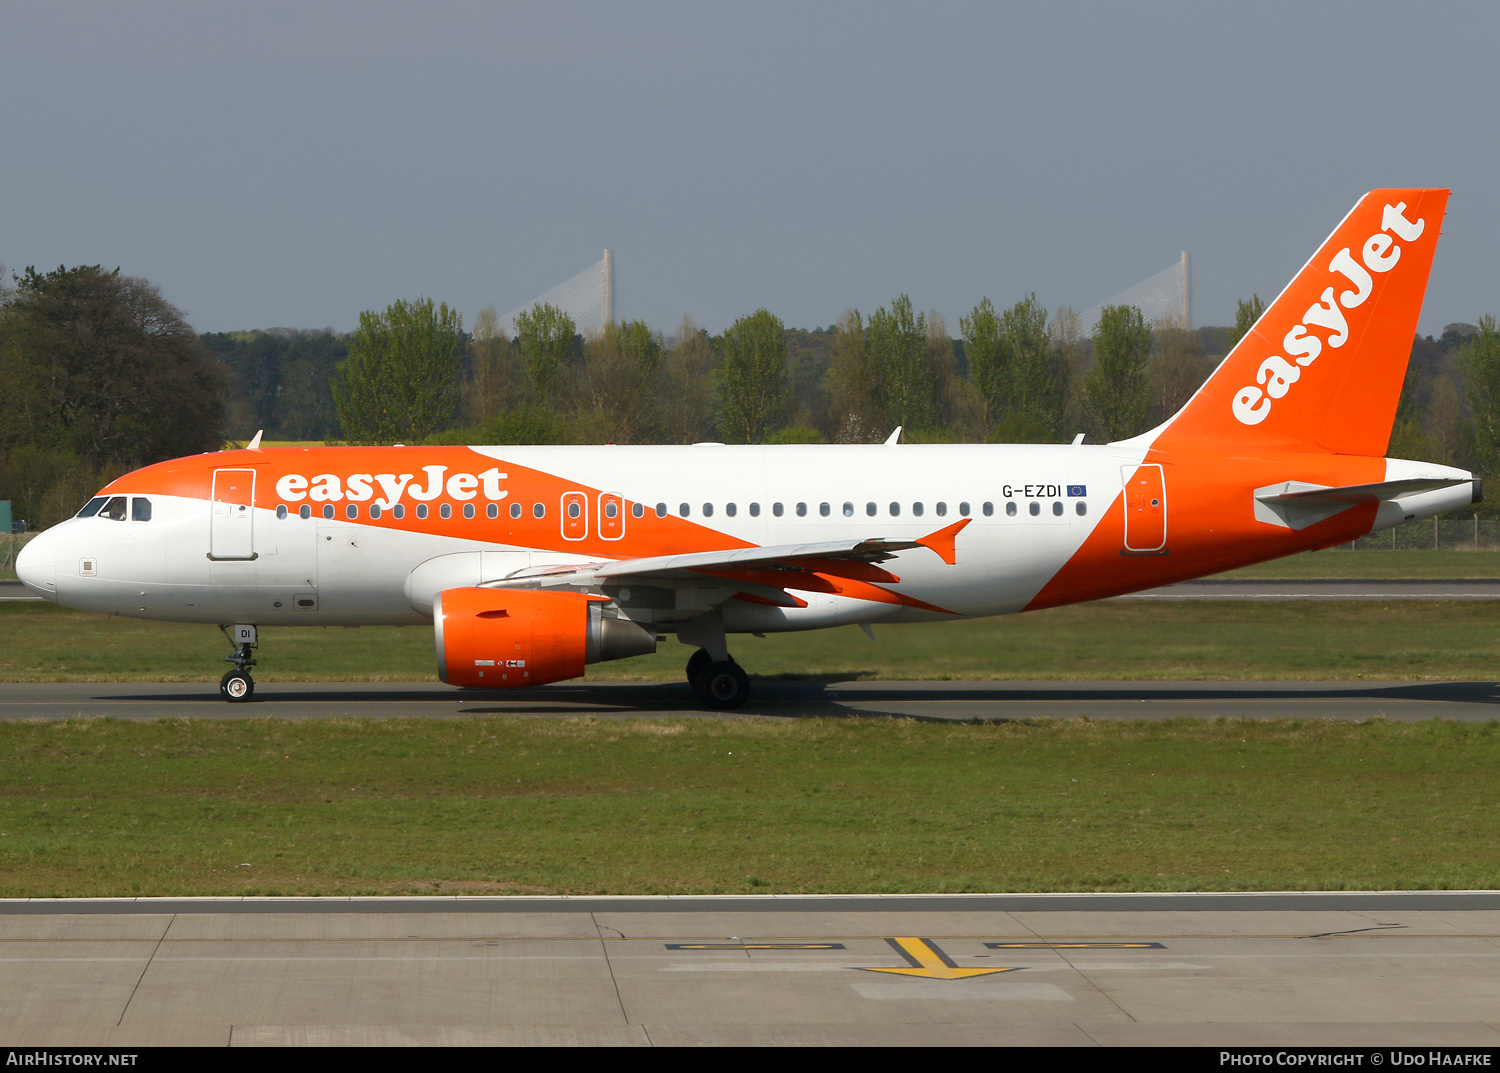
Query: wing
(844, 567)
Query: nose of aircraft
(36, 566)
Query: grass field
(497, 805)
(1210, 640)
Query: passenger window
(942, 510)
(492, 511)
(140, 509)
(1010, 509)
(870, 509)
(91, 508)
(398, 511)
(374, 511)
(802, 510)
(574, 509)
(305, 511)
(539, 510)
(963, 508)
(989, 508)
(469, 510)
(328, 510)
(281, 512)
(1057, 508)
(755, 510)
(916, 509)
(114, 510)
(351, 512)
(685, 510)
(1081, 508)
(895, 510)
(515, 510)
(729, 509)
(708, 510)
(848, 510)
(1036, 508)
(637, 510)
(777, 509)
(445, 511)
(611, 509)
(422, 511)
(661, 510)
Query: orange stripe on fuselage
(649, 535)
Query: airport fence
(1434, 534)
(10, 546)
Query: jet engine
(511, 638)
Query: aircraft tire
(723, 685)
(697, 663)
(236, 687)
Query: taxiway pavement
(1397, 969)
(968, 701)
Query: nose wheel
(720, 684)
(237, 686)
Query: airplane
(531, 563)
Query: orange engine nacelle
(511, 638)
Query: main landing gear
(237, 686)
(720, 684)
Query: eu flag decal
(1077, 491)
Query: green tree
(641, 346)
(897, 342)
(1117, 390)
(686, 413)
(1037, 384)
(1479, 357)
(1245, 316)
(989, 360)
(752, 384)
(101, 366)
(855, 387)
(492, 387)
(399, 382)
(545, 335)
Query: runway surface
(1418, 969)
(1402, 701)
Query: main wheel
(723, 685)
(697, 663)
(236, 686)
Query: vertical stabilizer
(1322, 368)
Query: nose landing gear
(237, 686)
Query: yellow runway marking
(927, 961)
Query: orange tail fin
(1322, 368)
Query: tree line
(102, 374)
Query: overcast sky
(290, 164)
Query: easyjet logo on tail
(1379, 254)
(359, 487)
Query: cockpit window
(114, 510)
(91, 508)
(140, 509)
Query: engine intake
(512, 638)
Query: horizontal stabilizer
(1298, 504)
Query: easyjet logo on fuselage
(360, 487)
(1276, 375)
